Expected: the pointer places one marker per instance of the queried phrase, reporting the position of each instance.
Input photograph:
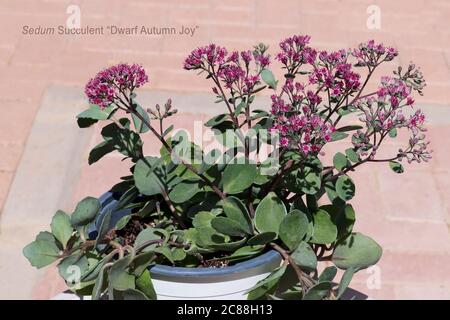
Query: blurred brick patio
(409, 214)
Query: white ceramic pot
(227, 283)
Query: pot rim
(270, 257)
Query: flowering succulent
(109, 84)
(195, 209)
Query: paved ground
(408, 215)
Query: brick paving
(407, 214)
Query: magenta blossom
(296, 122)
(108, 84)
(371, 54)
(205, 57)
(234, 70)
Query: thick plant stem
(302, 277)
(172, 209)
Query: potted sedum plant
(231, 224)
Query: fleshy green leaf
(228, 246)
(138, 123)
(356, 251)
(144, 283)
(293, 228)
(61, 227)
(118, 277)
(340, 161)
(343, 217)
(396, 166)
(100, 150)
(104, 228)
(217, 120)
(319, 291)
(304, 256)
(122, 222)
(144, 237)
(262, 238)
(85, 212)
(227, 226)
(352, 155)
(345, 188)
(268, 77)
(149, 176)
(96, 113)
(325, 231)
(43, 251)
(184, 191)
(235, 210)
(336, 136)
(393, 133)
(348, 128)
(269, 214)
(328, 274)
(267, 283)
(238, 177)
(345, 282)
(100, 285)
(124, 140)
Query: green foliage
(100, 150)
(149, 176)
(325, 230)
(235, 210)
(352, 155)
(184, 191)
(345, 281)
(304, 256)
(262, 238)
(238, 177)
(269, 78)
(340, 161)
(139, 125)
(269, 214)
(42, 251)
(120, 137)
(85, 212)
(61, 227)
(94, 114)
(293, 228)
(396, 167)
(227, 226)
(345, 188)
(357, 251)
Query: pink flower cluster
(296, 52)
(335, 74)
(300, 118)
(106, 86)
(385, 112)
(203, 57)
(233, 70)
(297, 122)
(371, 54)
